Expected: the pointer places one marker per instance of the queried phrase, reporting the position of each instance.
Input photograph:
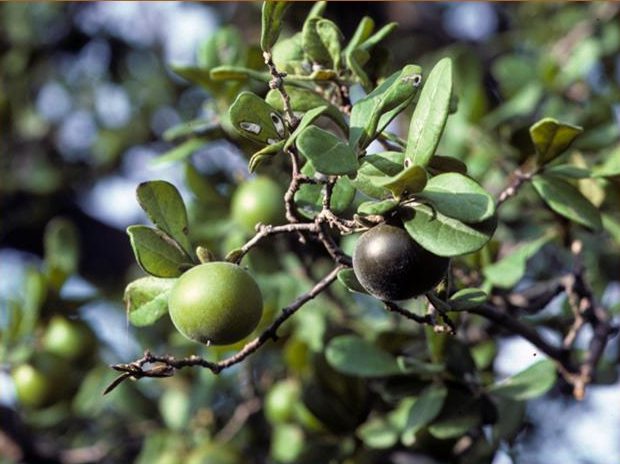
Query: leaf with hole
(164, 206)
(256, 120)
(567, 201)
(146, 300)
(430, 114)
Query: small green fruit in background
(68, 339)
(258, 200)
(217, 303)
(392, 266)
(281, 400)
(31, 386)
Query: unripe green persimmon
(31, 386)
(258, 200)
(67, 339)
(217, 303)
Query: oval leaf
(378, 208)
(327, 153)
(271, 24)
(156, 253)
(567, 201)
(459, 197)
(146, 300)
(551, 138)
(376, 168)
(467, 298)
(256, 120)
(353, 355)
(409, 180)
(347, 278)
(423, 411)
(430, 114)
(443, 235)
(534, 381)
(164, 206)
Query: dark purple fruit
(391, 266)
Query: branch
(277, 82)
(518, 179)
(166, 365)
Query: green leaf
(423, 411)
(430, 114)
(264, 154)
(521, 104)
(256, 120)
(378, 433)
(271, 24)
(327, 153)
(180, 152)
(373, 113)
(198, 126)
(567, 201)
(320, 39)
(196, 75)
(379, 36)
(146, 300)
(62, 252)
(203, 189)
(408, 181)
(441, 164)
(552, 138)
(237, 73)
(361, 34)
(378, 208)
(459, 197)
(347, 278)
(409, 365)
(568, 170)
(308, 118)
(467, 298)
(164, 206)
(534, 381)
(443, 235)
(374, 169)
(156, 253)
(509, 270)
(352, 355)
(455, 425)
(304, 100)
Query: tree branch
(166, 365)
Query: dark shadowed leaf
(146, 300)
(62, 251)
(347, 278)
(430, 114)
(353, 355)
(567, 201)
(551, 138)
(164, 206)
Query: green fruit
(67, 339)
(216, 303)
(31, 386)
(259, 200)
(391, 266)
(281, 400)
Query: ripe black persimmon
(391, 266)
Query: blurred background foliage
(91, 105)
